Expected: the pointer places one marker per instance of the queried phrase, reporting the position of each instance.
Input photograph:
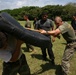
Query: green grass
(39, 67)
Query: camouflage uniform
(69, 35)
(28, 25)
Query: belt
(71, 41)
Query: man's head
(58, 21)
(35, 18)
(25, 16)
(44, 15)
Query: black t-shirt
(73, 23)
(46, 25)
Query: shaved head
(58, 19)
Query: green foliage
(65, 11)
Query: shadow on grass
(38, 56)
(47, 66)
(64, 43)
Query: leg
(44, 53)
(69, 51)
(24, 68)
(51, 54)
(27, 46)
(10, 68)
(32, 49)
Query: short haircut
(44, 13)
(26, 15)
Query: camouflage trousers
(68, 53)
(20, 66)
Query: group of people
(15, 61)
(45, 24)
(68, 32)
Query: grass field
(40, 67)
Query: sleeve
(51, 23)
(63, 29)
(28, 24)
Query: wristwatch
(46, 32)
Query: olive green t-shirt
(67, 31)
(28, 24)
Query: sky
(12, 4)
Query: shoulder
(38, 22)
(49, 20)
(66, 23)
(64, 27)
(28, 21)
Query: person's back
(67, 32)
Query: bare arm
(54, 32)
(35, 30)
(17, 51)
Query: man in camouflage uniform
(28, 26)
(69, 35)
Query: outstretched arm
(35, 30)
(53, 33)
